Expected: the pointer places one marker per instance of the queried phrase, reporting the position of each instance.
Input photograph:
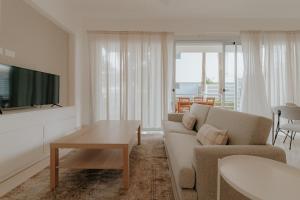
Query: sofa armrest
(205, 162)
(175, 117)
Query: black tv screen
(20, 87)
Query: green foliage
(208, 81)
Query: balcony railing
(192, 90)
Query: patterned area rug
(149, 179)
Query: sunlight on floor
(152, 132)
(292, 155)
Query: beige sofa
(194, 166)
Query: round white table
(260, 178)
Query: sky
(189, 66)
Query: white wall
(38, 43)
(61, 15)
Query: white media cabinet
(24, 141)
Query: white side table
(260, 178)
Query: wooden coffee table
(102, 145)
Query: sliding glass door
(197, 74)
(233, 67)
(212, 76)
(207, 72)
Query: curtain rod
(126, 32)
(272, 31)
(195, 41)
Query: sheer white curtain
(276, 57)
(253, 98)
(280, 63)
(131, 76)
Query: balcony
(191, 91)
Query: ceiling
(199, 18)
(184, 9)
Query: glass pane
(188, 74)
(234, 68)
(240, 71)
(229, 95)
(212, 76)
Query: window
(188, 74)
(203, 71)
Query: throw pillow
(210, 135)
(189, 120)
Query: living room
(162, 99)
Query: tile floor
(293, 155)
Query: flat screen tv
(20, 87)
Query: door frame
(222, 68)
(235, 44)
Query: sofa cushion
(180, 148)
(200, 111)
(243, 128)
(189, 120)
(177, 127)
(209, 135)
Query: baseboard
(22, 176)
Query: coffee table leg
(219, 182)
(125, 167)
(139, 135)
(53, 167)
(273, 127)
